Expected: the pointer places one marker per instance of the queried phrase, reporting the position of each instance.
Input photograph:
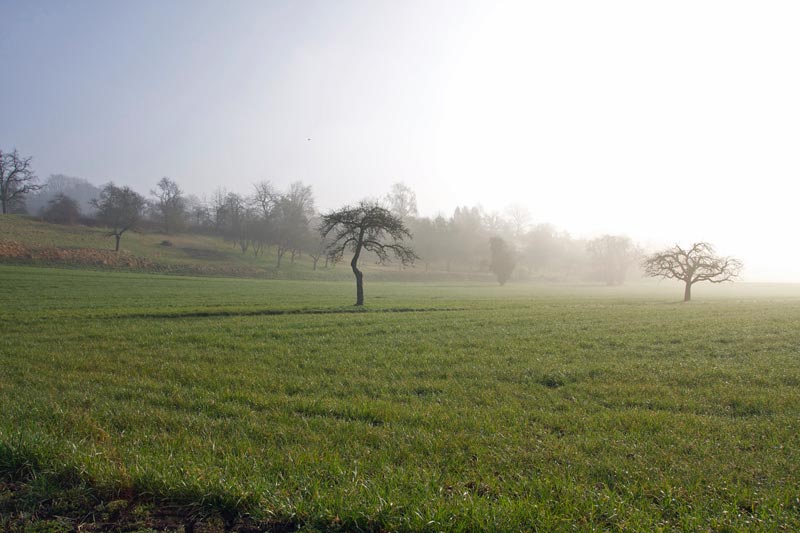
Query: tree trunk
(687, 292)
(117, 237)
(359, 276)
(359, 286)
(315, 262)
(280, 256)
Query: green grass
(440, 407)
(189, 254)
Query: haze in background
(670, 122)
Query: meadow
(127, 399)
(27, 241)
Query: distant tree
(265, 197)
(315, 244)
(16, 180)
(519, 218)
(169, 204)
(467, 238)
(502, 259)
(292, 212)
(366, 227)
(232, 218)
(540, 247)
(198, 212)
(218, 208)
(697, 263)
(494, 223)
(78, 189)
(427, 240)
(120, 208)
(62, 210)
(611, 256)
(402, 201)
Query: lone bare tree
(698, 263)
(365, 227)
(120, 208)
(16, 179)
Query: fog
(665, 122)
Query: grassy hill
(28, 241)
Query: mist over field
(618, 118)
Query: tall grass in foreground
(441, 407)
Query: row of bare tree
(287, 221)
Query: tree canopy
(16, 179)
(120, 208)
(169, 203)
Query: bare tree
(315, 244)
(120, 208)
(169, 203)
(16, 179)
(292, 212)
(519, 217)
(233, 220)
(218, 207)
(698, 263)
(494, 223)
(265, 197)
(402, 201)
(198, 212)
(366, 227)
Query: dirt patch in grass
(204, 254)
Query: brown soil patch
(72, 256)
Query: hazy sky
(667, 121)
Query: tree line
(287, 222)
(470, 240)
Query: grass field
(125, 398)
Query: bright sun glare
(633, 118)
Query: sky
(670, 122)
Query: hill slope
(32, 242)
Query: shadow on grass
(43, 494)
(278, 312)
